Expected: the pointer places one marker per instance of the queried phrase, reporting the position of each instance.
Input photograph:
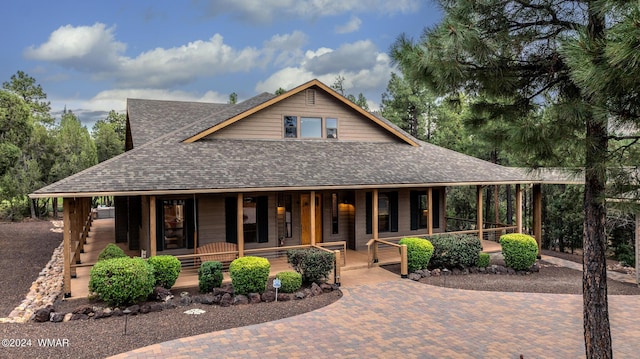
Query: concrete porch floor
(354, 271)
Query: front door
(305, 218)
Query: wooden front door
(305, 218)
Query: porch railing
(77, 247)
(490, 231)
(373, 250)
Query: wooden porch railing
(77, 247)
(372, 252)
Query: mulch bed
(27, 247)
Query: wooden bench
(217, 247)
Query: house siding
(268, 123)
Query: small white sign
(276, 283)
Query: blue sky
(91, 56)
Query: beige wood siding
(268, 123)
(345, 221)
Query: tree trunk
(32, 207)
(597, 331)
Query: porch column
(374, 215)
(312, 217)
(152, 226)
(66, 247)
(519, 208)
(240, 224)
(429, 211)
(479, 211)
(537, 215)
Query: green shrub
(519, 250)
(166, 270)
(455, 250)
(483, 260)
(249, 274)
(290, 281)
(313, 264)
(624, 253)
(419, 252)
(122, 281)
(209, 276)
(111, 251)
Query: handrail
(372, 255)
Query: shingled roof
(163, 162)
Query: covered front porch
(102, 232)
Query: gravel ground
(105, 337)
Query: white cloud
(285, 50)
(351, 26)
(265, 11)
(92, 48)
(364, 68)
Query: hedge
(111, 251)
(122, 281)
(519, 250)
(313, 264)
(209, 276)
(419, 252)
(166, 270)
(455, 251)
(249, 274)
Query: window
(311, 127)
(249, 219)
(284, 216)
(334, 213)
(174, 228)
(331, 126)
(290, 126)
(419, 208)
(387, 212)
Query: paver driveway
(405, 319)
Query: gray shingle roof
(161, 162)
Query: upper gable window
(290, 126)
(311, 127)
(331, 127)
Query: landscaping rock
(155, 307)
(284, 297)
(145, 308)
(184, 300)
(78, 316)
(535, 268)
(43, 314)
(254, 298)
(414, 276)
(299, 295)
(240, 299)
(315, 289)
(161, 294)
(57, 317)
(226, 300)
(83, 309)
(268, 296)
(435, 272)
(445, 271)
(326, 287)
(209, 299)
(117, 312)
(134, 309)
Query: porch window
(284, 216)
(387, 212)
(255, 219)
(175, 224)
(419, 208)
(334, 213)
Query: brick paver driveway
(405, 319)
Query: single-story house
(304, 168)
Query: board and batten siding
(268, 123)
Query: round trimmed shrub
(209, 276)
(290, 281)
(122, 281)
(519, 250)
(419, 252)
(166, 270)
(249, 274)
(312, 263)
(454, 251)
(483, 260)
(111, 251)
